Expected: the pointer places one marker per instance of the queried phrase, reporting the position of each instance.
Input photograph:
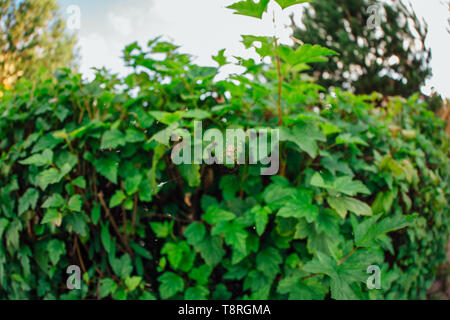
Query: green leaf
(75, 203)
(287, 3)
(107, 287)
(305, 136)
(309, 289)
(171, 284)
(28, 200)
(133, 282)
(80, 182)
(162, 229)
(48, 177)
(235, 235)
(344, 204)
(39, 160)
(123, 266)
(132, 183)
(77, 222)
(112, 139)
(268, 261)
(347, 138)
(220, 58)
(12, 234)
(344, 185)
(194, 233)
(211, 250)
(190, 173)
(56, 249)
(174, 252)
(261, 218)
(51, 215)
(196, 293)
(140, 250)
(95, 214)
(250, 8)
(201, 274)
(214, 215)
(106, 238)
(322, 263)
(304, 54)
(164, 135)
(108, 168)
(3, 225)
(299, 209)
(370, 229)
(197, 114)
(133, 135)
(117, 199)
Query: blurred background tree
(33, 35)
(391, 58)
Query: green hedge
(86, 179)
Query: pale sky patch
(203, 27)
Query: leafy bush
(86, 179)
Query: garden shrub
(87, 179)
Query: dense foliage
(86, 179)
(390, 58)
(33, 35)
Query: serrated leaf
(220, 58)
(107, 287)
(80, 182)
(343, 184)
(112, 139)
(196, 293)
(75, 203)
(261, 218)
(211, 250)
(268, 261)
(133, 135)
(54, 201)
(52, 215)
(344, 204)
(250, 8)
(287, 3)
(174, 252)
(370, 229)
(197, 114)
(299, 209)
(48, 177)
(133, 282)
(194, 233)
(123, 266)
(107, 167)
(171, 284)
(214, 215)
(305, 136)
(161, 229)
(39, 160)
(56, 249)
(28, 200)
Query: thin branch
(114, 224)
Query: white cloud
(120, 24)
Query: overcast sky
(203, 27)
